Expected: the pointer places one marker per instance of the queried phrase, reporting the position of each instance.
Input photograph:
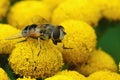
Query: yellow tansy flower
(76, 9)
(67, 75)
(98, 60)
(28, 12)
(3, 75)
(37, 61)
(7, 31)
(110, 9)
(81, 38)
(104, 75)
(52, 3)
(4, 5)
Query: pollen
(34, 60)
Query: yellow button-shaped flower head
(104, 75)
(80, 38)
(52, 3)
(78, 10)
(37, 61)
(4, 5)
(67, 75)
(7, 31)
(28, 12)
(3, 75)
(24, 78)
(98, 60)
(110, 9)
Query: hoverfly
(43, 32)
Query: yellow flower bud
(80, 38)
(98, 60)
(7, 31)
(76, 9)
(52, 3)
(24, 13)
(110, 9)
(119, 66)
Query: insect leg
(65, 47)
(23, 40)
(39, 42)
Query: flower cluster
(32, 59)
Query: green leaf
(109, 38)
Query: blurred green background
(108, 34)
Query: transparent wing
(39, 20)
(16, 36)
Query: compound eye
(24, 32)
